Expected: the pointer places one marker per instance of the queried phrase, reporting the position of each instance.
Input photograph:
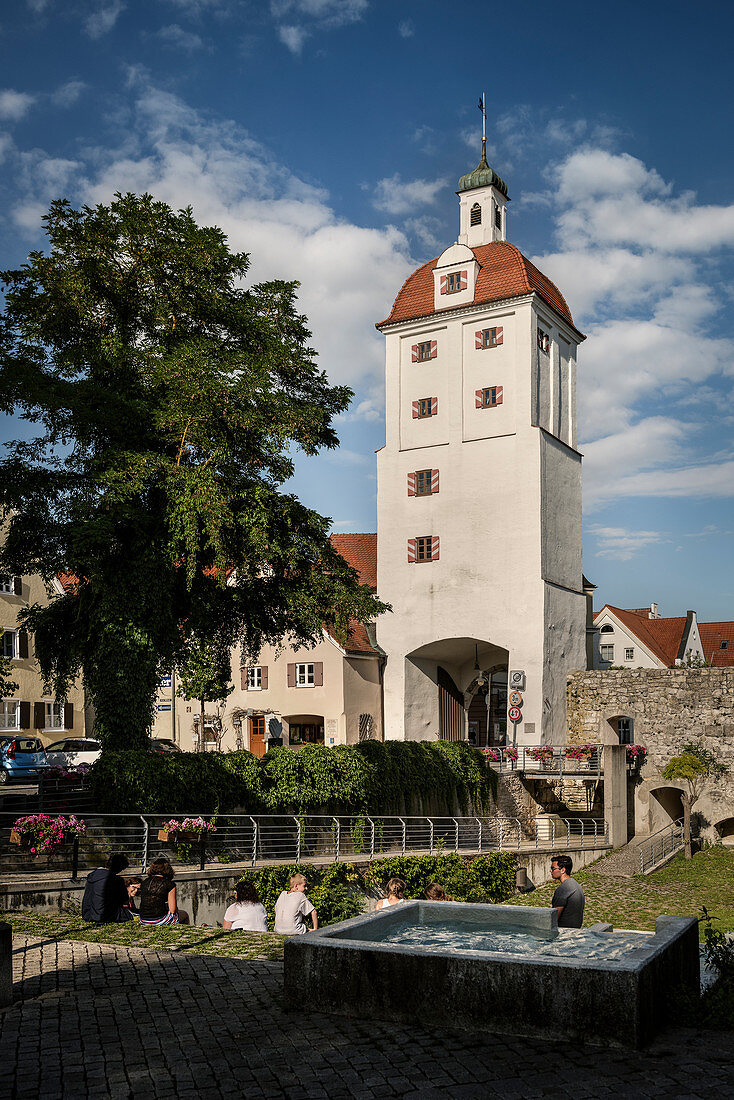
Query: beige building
(30, 709)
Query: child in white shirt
(292, 908)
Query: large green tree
(170, 399)
(694, 766)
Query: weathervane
(483, 109)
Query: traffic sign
(514, 714)
(517, 679)
(515, 699)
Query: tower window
(456, 281)
(488, 338)
(488, 397)
(427, 349)
(423, 548)
(497, 216)
(475, 218)
(422, 483)
(543, 341)
(425, 406)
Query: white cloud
(652, 442)
(709, 479)
(293, 37)
(66, 95)
(622, 544)
(397, 196)
(178, 39)
(406, 28)
(298, 20)
(101, 21)
(15, 105)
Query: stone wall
(668, 707)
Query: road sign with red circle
(514, 714)
(515, 699)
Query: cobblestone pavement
(93, 1020)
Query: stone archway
(665, 807)
(725, 829)
(448, 684)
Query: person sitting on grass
(292, 908)
(132, 886)
(436, 892)
(158, 896)
(105, 897)
(395, 893)
(247, 914)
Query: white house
(479, 489)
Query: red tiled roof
(359, 551)
(503, 273)
(357, 641)
(712, 635)
(661, 636)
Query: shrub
(480, 878)
(147, 782)
(334, 890)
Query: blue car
(22, 758)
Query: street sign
(514, 714)
(515, 699)
(165, 681)
(164, 706)
(516, 680)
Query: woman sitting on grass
(158, 896)
(247, 914)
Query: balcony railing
(547, 760)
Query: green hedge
(339, 891)
(376, 777)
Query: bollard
(521, 878)
(75, 859)
(6, 964)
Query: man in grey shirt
(569, 898)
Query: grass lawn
(194, 941)
(681, 889)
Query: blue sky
(327, 136)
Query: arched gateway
(479, 487)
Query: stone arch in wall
(725, 830)
(665, 806)
(609, 724)
(623, 728)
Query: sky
(326, 137)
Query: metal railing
(249, 840)
(661, 845)
(547, 760)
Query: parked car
(164, 744)
(70, 752)
(22, 758)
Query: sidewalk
(98, 1021)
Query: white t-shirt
(248, 916)
(291, 910)
(383, 903)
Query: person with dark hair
(247, 913)
(436, 892)
(569, 898)
(158, 896)
(105, 896)
(132, 885)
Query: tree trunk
(687, 825)
(202, 740)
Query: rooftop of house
(503, 273)
(359, 551)
(661, 636)
(712, 637)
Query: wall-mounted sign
(515, 699)
(165, 681)
(164, 706)
(514, 714)
(516, 680)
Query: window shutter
(243, 678)
(68, 716)
(411, 485)
(478, 340)
(434, 348)
(318, 674)
(263, 677)
(478, 402)
(499, 335)
(416, 409)
(444, 284)
(434, 548)
(498, 395)
(411, 550)
(39, 716)
(292, 675)
(414, 353)
(18, 586)
(463, 280)
(434, 481)
(25, 716)
(434, 406)
(22, 643)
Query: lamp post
(237, 723)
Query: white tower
(479, 489)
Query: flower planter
(17, 838)
(177, 834)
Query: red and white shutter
(498, 395)
(434, 406)
(498, 340)
(434, 547)
(414, 353)
(462, 280)
(434, 481)
(444, 284)
(416, 409)
(478, 401)
(411, 550)
(434, 348)
(411, 485)
(478, 340)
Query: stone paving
(92, 1020)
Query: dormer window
(724, 645)
(475, 217)
(453, 283)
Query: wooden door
(450, 708)
(257, 735)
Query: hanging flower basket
(511, 754)
(43, 833)
(491, 755)
(578, 752)
(542, 753)
(188, 830)
(636, 755)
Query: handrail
(661, 844)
